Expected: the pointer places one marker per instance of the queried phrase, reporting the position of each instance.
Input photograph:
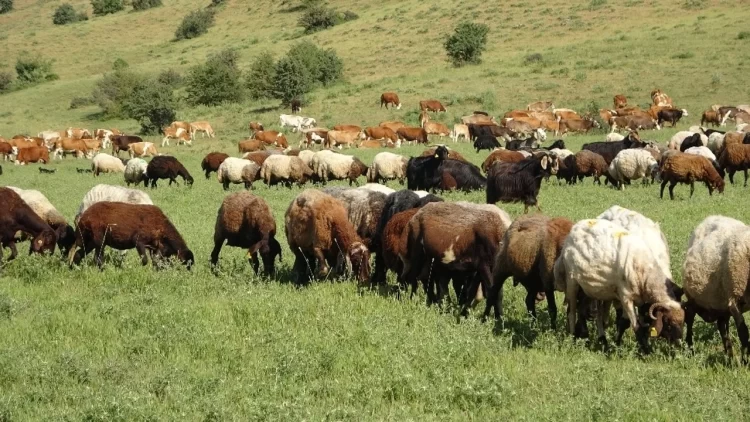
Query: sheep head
(666, 321)
(359, 256)
(550, 163)
(268, 252)
(44, 242)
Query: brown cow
(177, 133)
(254, 127)
(121, 142)
(6, 150)
(32, 154)
(531, 121)
(517, 126)
(250, 145)
(660, 98)
(710, 116)
(348, 128)
(620, 101)
(342, 137)
(370, 143)
(377, 132)
(517, 113)
(409, 134)
(566, 114)
(423, 118)
(184, 125)
(142, 149)
(540, 106)
(478, 119)
(546, 116)
(654, 110)
(77, 133)
(203, 127)
(312, 136)
(394, 126)
(70, 146)
(431, 105)
(93, 145)
(437, 128)
(575, 125)
(271, 137)
(391, 98)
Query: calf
(412, 134)
(203, 127)
(179, 134)
(584, 125)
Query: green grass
(134, 343)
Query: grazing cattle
(394, 126)
(70, 146)
(584, 125)
(377, 132)
(726, 112)
(606, 115)
(250, 145)
(424, 117)
(620, 101)
(671, 115)
(315, 135)
(643, 123)
(203, 127)
(517, 113)
(296, 122)
(76, 133)
(436, 128)
(179, 134)
(270, 137)
(142, 149)
(184, 125)
(460, 130)
(431, 105)
(563, 114)
(478, 119)
(348, 128)
(341, 137)
(296, 106)
(540, 106)
(519, 128)
(391, 98)
(33, 154)
(49, 136)
(6, 150)
(660, 98)
(121, 143)
(254, 127)
(412, 134)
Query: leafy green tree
(467, 43)
(216, 81)
(292, 79)
(152, 104)
(260, 79)
(195, 24)
(106, 7)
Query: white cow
(296, 122)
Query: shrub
(31, 69)
(106, 7)
(82, 16)
(331, 67)
(195, 24)
(64, 14)
(260, 80)
(743, 35)
(215, 3)
(6, 6)
(216, 81)
(78, 102)
(322, 66)
(348, 15)
(317, 18)
(115, 89)
(467, 43)
(119, 64)
(533, 58)
(170, 77)
(145, 4)
(6, 81)
(152, 104)
(292, 79)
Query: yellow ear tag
(436, 156)
(653, 332)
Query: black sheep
(671, 115)
(467, 176)
(420, 171)
(693, 140)
(166, 167)
(521, 181)
(488, 142)
(560, 144)
(609, 150)
(518, 144)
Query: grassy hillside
(132, 343)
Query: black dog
(48, 171)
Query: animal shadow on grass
(266, 109)
(523, 330)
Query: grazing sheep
(306, 156)
(678, 138)
(16, 215)
(501, 155)
(715, 142)
(631, 164)
(520, 182)
(687, 168)
(377, 187)
(614, 137)
(212, 161)
(246, 221)
(715, 277)
(486, 142)
(566, 169)
(166, 167)
(105, 163)
(135, 171)
(387, 166)
(452, 154)
(589, 163)
(608, 150)
(702, 151)
(459, 175)
(49, 214)
(236, 171)
(695, 140)
(335, 166)
(109, 193)
(609, 263)
(528, 252)
(126, 226)
(393, 246)
(710, 116)
(363, 207)
(285, 169)
(735, 157)
(319, 232)
(561, 153)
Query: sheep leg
(663, 185)
(495, 299)
(742, 332)
(692, 188)
(671, 189)
(622, 325)
(601, 315)
(254, 262)
(141, 248)
(531, 303)
(99, 256)
(551, 307)
(627, 308)
(745, 171)
(731, 175)
(323, 271)
(571, 293)
(689, 321)
(300, 268)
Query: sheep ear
(545, 162)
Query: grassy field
(132, 343)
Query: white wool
(479, 208)
(715, 142)
(135, 170)
(387, 166)
(283, 167)
(614, 137)
(702, 151)
(334, 166)
(421, 193)
(306, 156)
(631, 164)
(677, 138)
(41, 205)
(230, 170)
(106, 163)
(377, 187)
(109, 193)
(561, 153)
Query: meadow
(133, 343)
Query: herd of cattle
(620, 257)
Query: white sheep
(377, 187)
(317, 160)
(715, 142)
(647, 229)
(610, 263)
(614, 137)
(306, 156)
(632, 164)
(715, 276)
(135, 171)
(232, 169)
(561, 153)
(286, 169)
(677, 138)
(109, 193)
(105, 163)
(387, 166)
(338, 167)
(702, 151)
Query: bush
(32, 69)
(65, 14)
(467, 43)
(317, 18)
(6, 6)
(119, 64)
(114, 90)
(743, 35)
(152, 104)
(170, 77)
(216, 81)
(215, 3)
(106, 7)
(145, 4)
(303, 67)
(331, 67)
(195, 24)
(6, 81)
(78, 102)
(260, 80)
(533, 58)
(292, 79)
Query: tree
(114, 90)
(195, 24)
(467, 43)
(145, 4)
(292, 79)
(31, 69)
(6, 6)
(152, 104)
(64, 14)
(317, 18)
(106, 7)
(216, 81)
(260, 80)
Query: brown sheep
(734, 156)
(246, 221)
(250, 145)
(50, 215)
(394, 242)
(528, 252)
(15, 216)
(318, 231)
(451, 154)
(212, 161)
(453, 240)
(503, 155)
(357, 169)
(710, 116)
(127, 226)
(259, 157)
(166, 167)
(589, 163)
(688, 168)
